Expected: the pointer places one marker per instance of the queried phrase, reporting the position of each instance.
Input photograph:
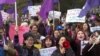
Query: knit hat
(59, 27)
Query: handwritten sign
(72, 16)
(33, 10)
(54, 15)
(95, 28)
(47, 51)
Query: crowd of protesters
(70, 39)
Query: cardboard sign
(33, 10)
(47, 51)
(92, 29)
(54, 15)
(72, 16)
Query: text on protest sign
(72, 16)
(33, 10)
(47, 51)
(4, 15)
(54, 15)
(96, 28)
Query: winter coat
(95, 51)
(69, 52)
(24, 51)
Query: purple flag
(2, 1)
(55, 1)
(1, 7)
(10, 1)
(11, 10)
(7, 1)
(25, 10)
(46, 7)
(1, 22)
(89, 5)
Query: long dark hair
(47, 37)
(57, 43)
(32, 26)
(88, 28)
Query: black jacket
(69, 52)
(95, 51)
(23, 51)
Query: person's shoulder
(56, 53)
(35, 49)
(70, 52)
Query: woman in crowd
(6, 46)
(80, 41)
(34, 30)
(56, 35)
(80, 36)
(95, 50)
(28, 48)
(48, 42)
(42, 29)
(78, 27)
(86, 30)
(63, 48)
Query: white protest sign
(47, 51)
(72, 16)
(4, 15)
(54, 15)
(33, 10)
(95, 28)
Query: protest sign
(72, 16)
(4, 15)
(54, 15)
(47, 51)
(92, 29)
(33, 10)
